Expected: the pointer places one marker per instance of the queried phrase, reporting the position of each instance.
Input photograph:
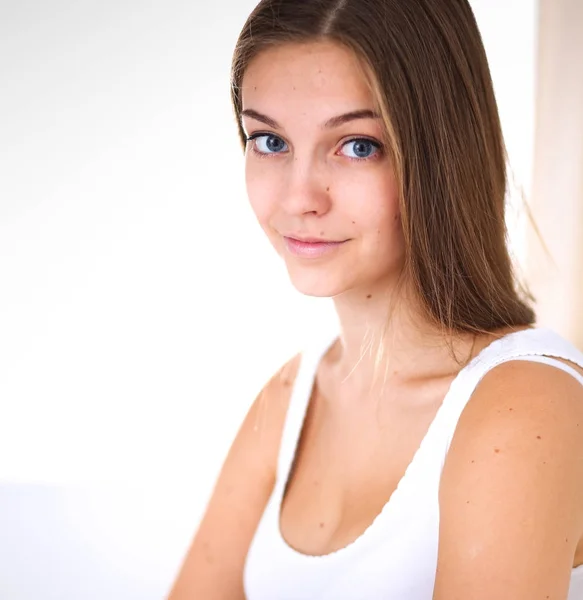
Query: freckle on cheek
(497, 450)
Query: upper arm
(213, 567)
(511, 494)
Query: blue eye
(267, 144)
(271, 144)
(362, 148)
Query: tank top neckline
(390, 507)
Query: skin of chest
(349, 460)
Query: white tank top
(396, 557)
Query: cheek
(380, 223)
(379, 210)
(260, 193)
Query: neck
(385, 341)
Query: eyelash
(375, 156)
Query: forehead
(299, 75)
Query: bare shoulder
(522, 392)
(264, 422)
(276, 393)
(511, 494)
(213, 566)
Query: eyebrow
(329, 124)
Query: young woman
(434, 447)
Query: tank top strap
(538, 344)
(298, 404)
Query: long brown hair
(427, 68)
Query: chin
(317, 291)
(318, 283)
(330, 281)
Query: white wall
(140, 307)
(555, 269)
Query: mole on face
(369, 297)
(328, 189)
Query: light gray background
(140, 307)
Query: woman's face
(310, 177)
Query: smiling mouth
(311, 249)
(313, 240)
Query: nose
(305, 190)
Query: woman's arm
(511, 496)
(213, 567)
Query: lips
(312, 240)
(311, 247)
